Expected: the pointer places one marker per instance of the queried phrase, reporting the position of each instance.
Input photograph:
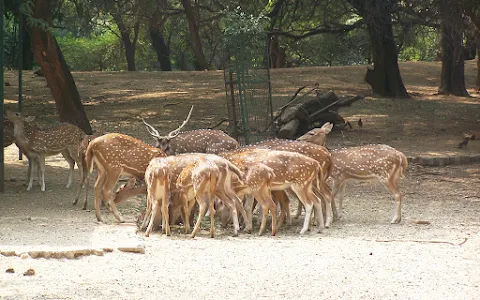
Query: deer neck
(19, 134)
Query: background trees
(189, 35)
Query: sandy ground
(362, 256)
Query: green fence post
(2, 151)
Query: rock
(29, 272)
(139, 249)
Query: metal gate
(249, 93)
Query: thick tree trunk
(161, 49)
(27, 50)
(48, 55)
(130, 46)
(478, 68)
(452, 80)
(477, 41)
(387, 80)
(155, 25)
(201, 62)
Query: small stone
(10, 270)
(29, 272)
(140, 250)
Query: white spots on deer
(38, 144)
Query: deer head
(317, 135)
(162, 142)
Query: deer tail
(235, 170)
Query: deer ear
(327, 127)
(29, 119)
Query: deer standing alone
(64, 138)
(364, 163)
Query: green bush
(101, 53)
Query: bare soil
(361, 256)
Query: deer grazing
(64, 138)
(323, 157)
(194, 141)
(116, 155)
(291, 170)
(82, 149)
(364, 163)
(187, 176)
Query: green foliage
(26, 8)
(239, 27)
(245, 35)
(421, 44)
(99, 53)
(329, 50)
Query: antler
(175, 132)
(152, 130)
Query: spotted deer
(323, 157)
(365, 163)
(116, 155)
(198, 181)
(291, 170)
(175, 175)
(193, 141)
(82, 149)
(38, 144)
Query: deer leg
(202, 203)
(212, 216)
(83, 176)
(148, 211)
(338, 195)
(308, 204)
(32, 164)
(166, 216)
(265, 200)
(319, 210)
(233, 204)
(71, 163)
(154, 209)
(249, 212)
(392, 187)
(98, 194)
(41, 171)
(109, 195)
(187, 210)
(299, 210)
(282, 199)
(326, 195)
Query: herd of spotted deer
(209, 168)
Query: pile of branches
(309, 110)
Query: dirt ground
(361, 256)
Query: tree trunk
(27, 58)
(452, 80)
(163, 53)
(477, 41)
(387, 80)
(201, 62)
(155, 25)
(130, 46)
(48, 55)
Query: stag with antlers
(194, 141)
